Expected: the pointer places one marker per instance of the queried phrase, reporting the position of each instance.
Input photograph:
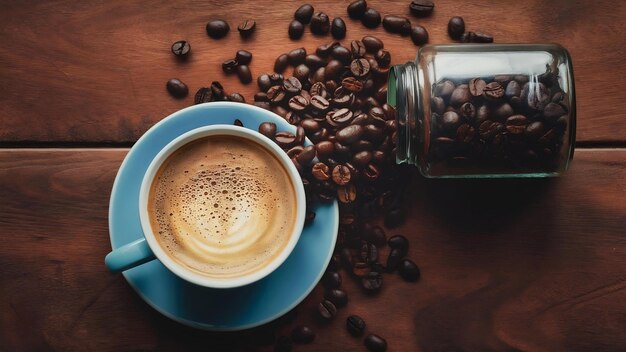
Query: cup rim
(205, 131)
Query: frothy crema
(222, 206)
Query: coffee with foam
(222, 206)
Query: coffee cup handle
(129, 256)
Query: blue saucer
(200, 307)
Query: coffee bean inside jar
(486, 111)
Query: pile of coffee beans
(456, 31)
(503, 122)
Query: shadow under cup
(181, 149)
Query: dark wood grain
(506, 265)
(92, 71)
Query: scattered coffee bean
(408, 270)
(181, 48)
(314, 62)
(230, 66)
(383, 57)
(393, 259)
(296, 56)
(177, 88)
(268, 129)
(243, 57)
(320, 24)
(293, 86)
(327, 309)
(244, 74)
(421, 8)
(304, 13)
(203, 95)
(341, 175)
(217, 90)
(396, 24)
(355, 325)
(419, 35)
(302, 334)
(346, 194)
(246, 28)
(342, 54)
(264, 82)
(371, 18)
(357, 49)
(456, 27)
(238, 121)
(281, 63)
(356, 9)
(331, 279)
(376, 236)
(372, 282)
(296, 29)
(372, 44)
(360, 67)
(375, 343)
(236, 97)
(320, 172)
(338, 297)
(338, 28)
(217, 29)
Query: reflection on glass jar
(494, 110)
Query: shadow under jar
(482, 111)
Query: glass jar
(485, 110)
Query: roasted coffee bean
(339, 297)
(320, 135)
(349, 134)
(246, 28)
(356, 9)
(373, 133)
(319, 88)
(465, 133)
(296, 56)
(302, 334)
(480, 37)
(327, 309)
(346, 194)
(217, 90)
(331, 279)
(341, 175)
(300, 136)
(535, 95)
(281, 63)
(325, 49)
(421, 8)
(296, 30)
(362, 158)
(177, 88)
(395, 24)
(362, 145)
(203, 95)
(383, 57)
(276, 78)
(283, 344)
(304, 13)
(372, 44)
(338, 28)
(343, 152)
(445, 89)
(376, 235)
(268, 129)
(516, 124)
(310, 125)
(360, 67)
(236, 97)
(360, 269)
(230, 66)
(450, 121)
(482, 114)
(298, 103)
(553, 111)
(355, 325)
(320, 24)
(375, 343)
(535, 129)
(276, 94)
(331, 85)
(342, 54)
(263, 105)
(419, 35)
(319, 103)
(489, 128)
(381, 96)
(460, 95)
(468, 111)
(400, 242)
(293, 118)
(377, 116)
(285, 140)
(244, 74)
(372, 282)
(181, 48)
(476, 87)
(408, 270)
(371, 18)
(333, 69)
(352, 84)
(217, 29)
(295, 151)
(340, 117)
(292, 85)
(502, 111)
(314, 62)
(493, 91)
(320, 171)
(468, 37)
(513, 90)
(301, 72)
(393, 259)
(456, 27)
(264, 82)
(261, 96)
(371, 172)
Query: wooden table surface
(537, 265)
